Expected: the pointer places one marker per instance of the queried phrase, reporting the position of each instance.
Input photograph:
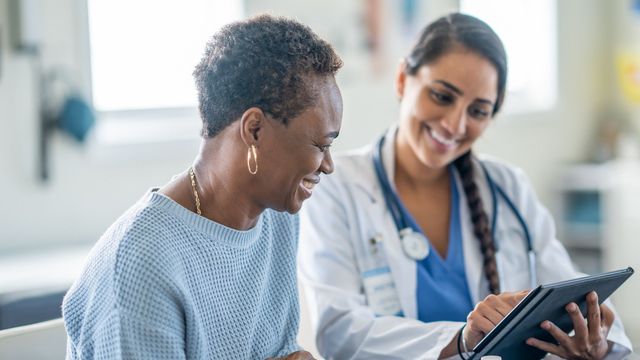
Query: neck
(410, 171)
(223, 187)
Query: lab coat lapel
(403, 269)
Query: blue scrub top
(442, 290)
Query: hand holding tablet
(547, 314)
(590, 338)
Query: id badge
(381, 292)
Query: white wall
(625, 226)
(91, 186)
(542, 142)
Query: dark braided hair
(480, 220)
(474, 34)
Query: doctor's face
(446, 105)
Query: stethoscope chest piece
(414, 244)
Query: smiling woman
(204, 267)
(399, 254)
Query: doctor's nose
(456, 123)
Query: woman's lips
(442, 142)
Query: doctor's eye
(441, 97)
(478, 113)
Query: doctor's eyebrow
(450, 86)
(455, 89)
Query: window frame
(159, 125)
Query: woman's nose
(456, 123)
(326, 166)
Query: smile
(308, 184)
(442, 140)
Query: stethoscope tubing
(496, 191)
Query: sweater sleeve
(127, 304)
(144, 339)
(121, 336)
(149, 312)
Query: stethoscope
(415, 245)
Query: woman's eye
(441, 98)
(478, 113)
(324, 148)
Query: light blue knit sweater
(165, 283)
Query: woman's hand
(298, 355)
(590, 339)
(488, 313)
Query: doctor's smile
(442, 142)
(460, 238)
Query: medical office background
(572, 119)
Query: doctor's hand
(488, 313)
(298, 355)
(590, 338)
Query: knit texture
(165, 283)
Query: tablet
(546, 302)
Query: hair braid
(480, 221)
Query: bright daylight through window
(529, 31)
(143, 52)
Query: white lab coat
(347, 209)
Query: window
(143, 53)
(528, 30)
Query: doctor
(414, 236)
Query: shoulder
(351, 169)
(149, 242)
(144, 242)
(517, 188)
(510, 178)
(353, 162)
(141, 229)
(345, 193)
(357, 157)
(126, 260)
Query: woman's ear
(251, 124)
(401, 77)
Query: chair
(30, 307)
(40, 341)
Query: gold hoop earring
(250, 151)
